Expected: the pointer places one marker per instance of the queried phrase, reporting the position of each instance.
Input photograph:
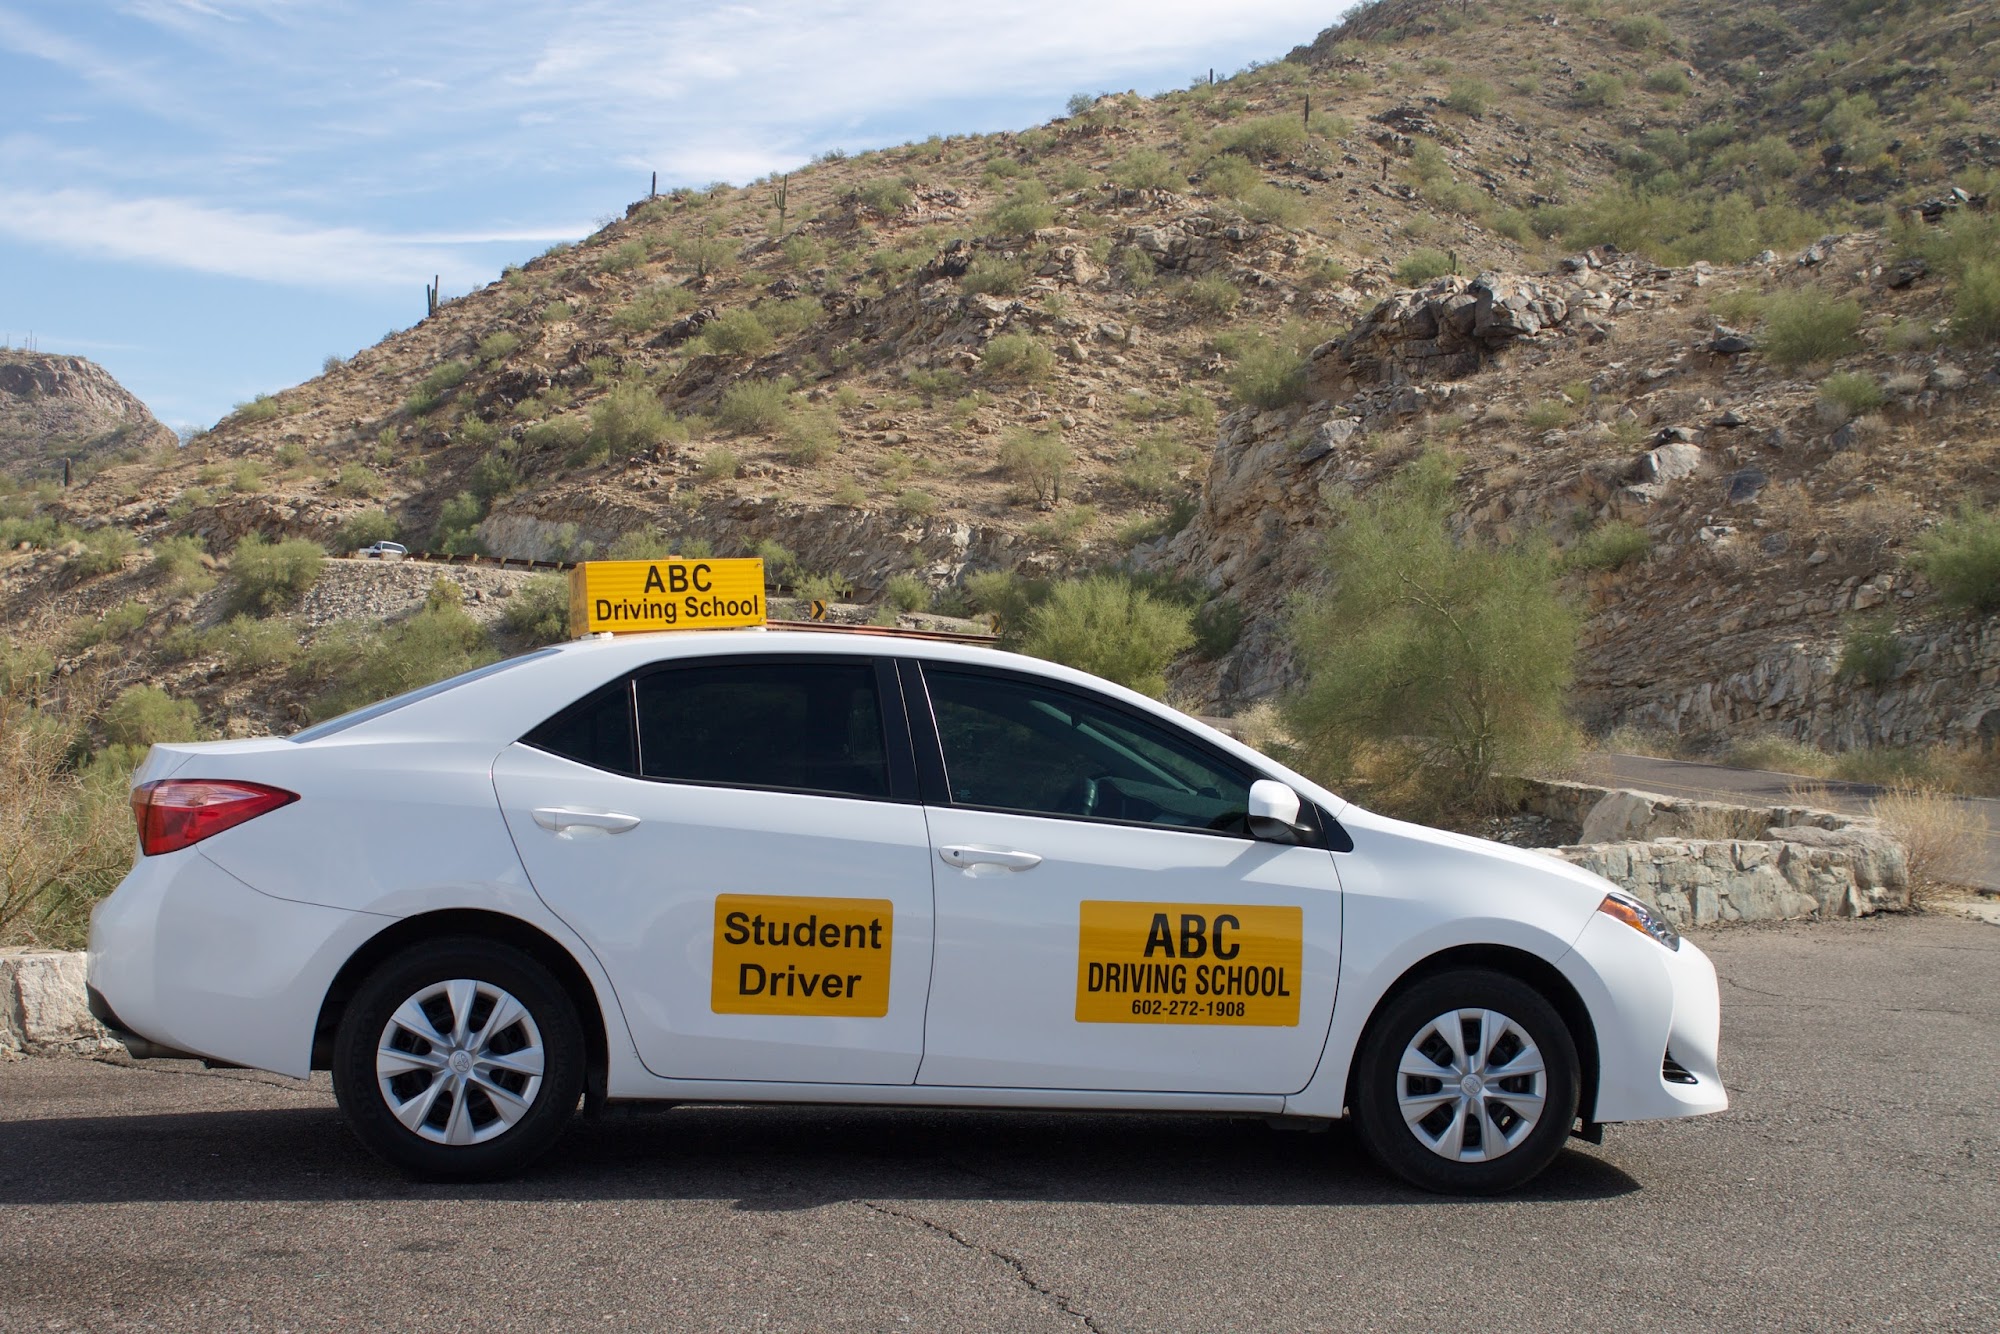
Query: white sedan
(746, 866)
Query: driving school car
(748, 866)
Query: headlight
(1640, 918)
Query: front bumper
(192, 961)
(1647, 1003)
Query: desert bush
(1808, 325)
(113, 626)
(1273, 204)
(915, 502)
(720, 464)
(1261, 138)
(1026, 210)
(493, 475)
(1106, 626)
(824, 586)
(65, 831)
(499, 346)
(458, 520)
(356, 479)
(267, 576)
(1419, 267)
(930, 385)
(1548, 414)
(1469, 96)
(736, 333)
(439, 641)
(1848, 394)
(885, 195)
(653, 308)
(1016, 357)
(568, 434)
(147, 715)
(1148, 169)
(995, 276)
(430, 390)
(1639, 31)
(754, 406)
(1037, 461)
(1975, 304)
(1870, 651)
(244, 643)
(1943, 838)
(182, 558)
(809, 435)
(1602, 89)
(1961, 558)
(104, 550)
(1609, 546)
(1217, 626)
(907, 592)
(1212, 294)
(788, 319)
(1671, 80)
(1441, 662)
(628, 419)
(1267, 373)
(1065, 526)
(259, 409)
(539, 610)
(622, 258)
(640, 544)
(1153, 466)
(365, 529)
(1136, 268)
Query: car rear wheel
(459, 1059)
(1467, 1083)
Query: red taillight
(174, 813)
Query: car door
(1105, 921)
(739, 840)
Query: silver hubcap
(1471, 1085)
(460, 1062)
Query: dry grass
(1944, 839)
(65, 836)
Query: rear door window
(814, 727)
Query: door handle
(563, 821)
(968, 857)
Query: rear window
(793, 726)
(369, 713)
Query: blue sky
(209, 196)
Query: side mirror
(1274, 812)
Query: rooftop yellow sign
(623, 596)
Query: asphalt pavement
(1856, 1181)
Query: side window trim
(932, 788)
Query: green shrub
(1268, 374)
(1026, 210)
(1602, 89)
(492, 476)
(824, 587)
(110, 628)
(1432, 665)
(23, 670)
(1275, 205)
(1851, 393)
(1037, 461)
(640, 544)
(930, 385)
(1548, 414)
(1065, 527)
(266, 576)
(720, 464)
(1421, 267)
(1639, 31)
(1217, 626)
(1154, 466)
(1671, 80)
(356, 479)
(539, 609)
(1870, 652)
(627, 420)
(1975, 305)
(885, 196)
(1263, 138)
(1212, 294)
(994, 276)
(653, 308)
(1007, 597)
(1148, 169)
(916, 503)
(736, 333)
(259, 409)
(1469, 96)
(1808, 325)
(568, 434)
(182, 558)
(1016, 357)
(437, 642)
(809, 435)
(499, 346)
(147, 715)
(1105, 626)
(788, 319)
(624, 258)
(430, 390)
(1609, 546)
(104, 550)
(1136, 268)
(247, 644)
(1961, 558)
(754, 405)
(366, 529)
(457, 520)
(907, 592)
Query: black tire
(1407, 1150)
(549, 1024)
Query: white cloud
(263, 246)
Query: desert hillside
(1703, 294)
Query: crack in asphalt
(1020, 1268)
(1801, 1002)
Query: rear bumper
(191, 961)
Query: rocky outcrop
(43, 1011)
(1445, 330)
(56, 407)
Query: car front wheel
(459, 1059)
(1467, 1083)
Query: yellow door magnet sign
(778, 954)
(1188, 963)
(626, 595)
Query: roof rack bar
(885, 631)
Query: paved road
(1714, 782)
(1857, 1181)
